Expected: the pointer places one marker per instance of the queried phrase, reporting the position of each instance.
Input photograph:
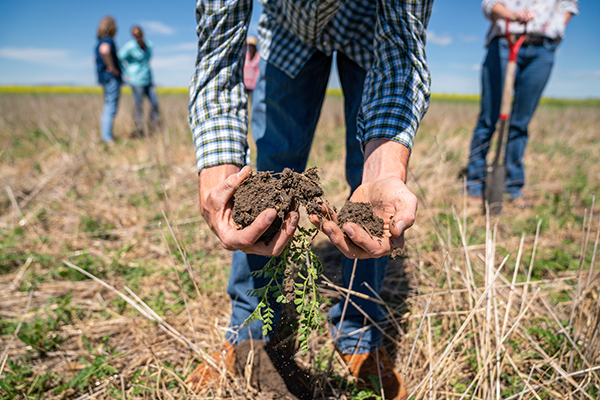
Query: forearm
(385, 159)
(499, 11)
(568, 16)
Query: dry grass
(480, 307)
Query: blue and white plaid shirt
(389, 43)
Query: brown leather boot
(364, 366)
(204, 374)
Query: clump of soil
(362, 215)
(263, 190)
(273, 374)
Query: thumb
(232, 182)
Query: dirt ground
(112, 285)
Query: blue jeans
(112, 92)
(138, 94)
(534, 64)
(284, 116)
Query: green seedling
(296, 257)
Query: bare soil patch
(271, 372)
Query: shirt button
(325, 43)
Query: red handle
(513, 48)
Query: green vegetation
(65, 196)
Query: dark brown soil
(274, 374)
(362, 215)
(263, 190)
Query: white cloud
(52, 57)
(441, 40)
(465, 67)
(32, 54)
(157, 27)
(591, 74)
(468, 38)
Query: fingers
(404, 218)
(247, 239)
(343, 242)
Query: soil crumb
(274, 374)
(263, 190)
(362, 215)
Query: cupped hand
(391, 201)
(217, 187)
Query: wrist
(385, 159)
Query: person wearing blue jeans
(112, 93)
(283, 138)
(138, 94)
(534, 64)
(135, 56)
(108, 70)
(379, 49)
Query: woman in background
(109, 75)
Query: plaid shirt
(389, 44)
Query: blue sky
(51, 42)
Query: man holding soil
(380, 56)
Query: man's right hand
(217, 187)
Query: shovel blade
(494, 188)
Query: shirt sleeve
(123, 53)
(217, 110)
(569, 6)
(397, 87)
(486, 7)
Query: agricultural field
(112, 285)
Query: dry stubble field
(112, 286)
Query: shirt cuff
(221, 141)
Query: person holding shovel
(379, 49)
(543, 23)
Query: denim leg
(353, 332)
(352, 78)
(112, 92)
(492, 78)
(138, 115)
(154, 113)
(534, 65)
(285, 113)
(284, 116)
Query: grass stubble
(112, 285)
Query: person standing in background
(544, 23)
(251, 69)
(109, 75)
(135, 57)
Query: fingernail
(349, 231)
(327, 231)
(242, 172)
(400, 226)
(271, 216)
(294, 220)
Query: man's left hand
(384, 188)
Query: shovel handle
(509, 76)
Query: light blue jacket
(136, 63)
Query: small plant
(296, 258)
